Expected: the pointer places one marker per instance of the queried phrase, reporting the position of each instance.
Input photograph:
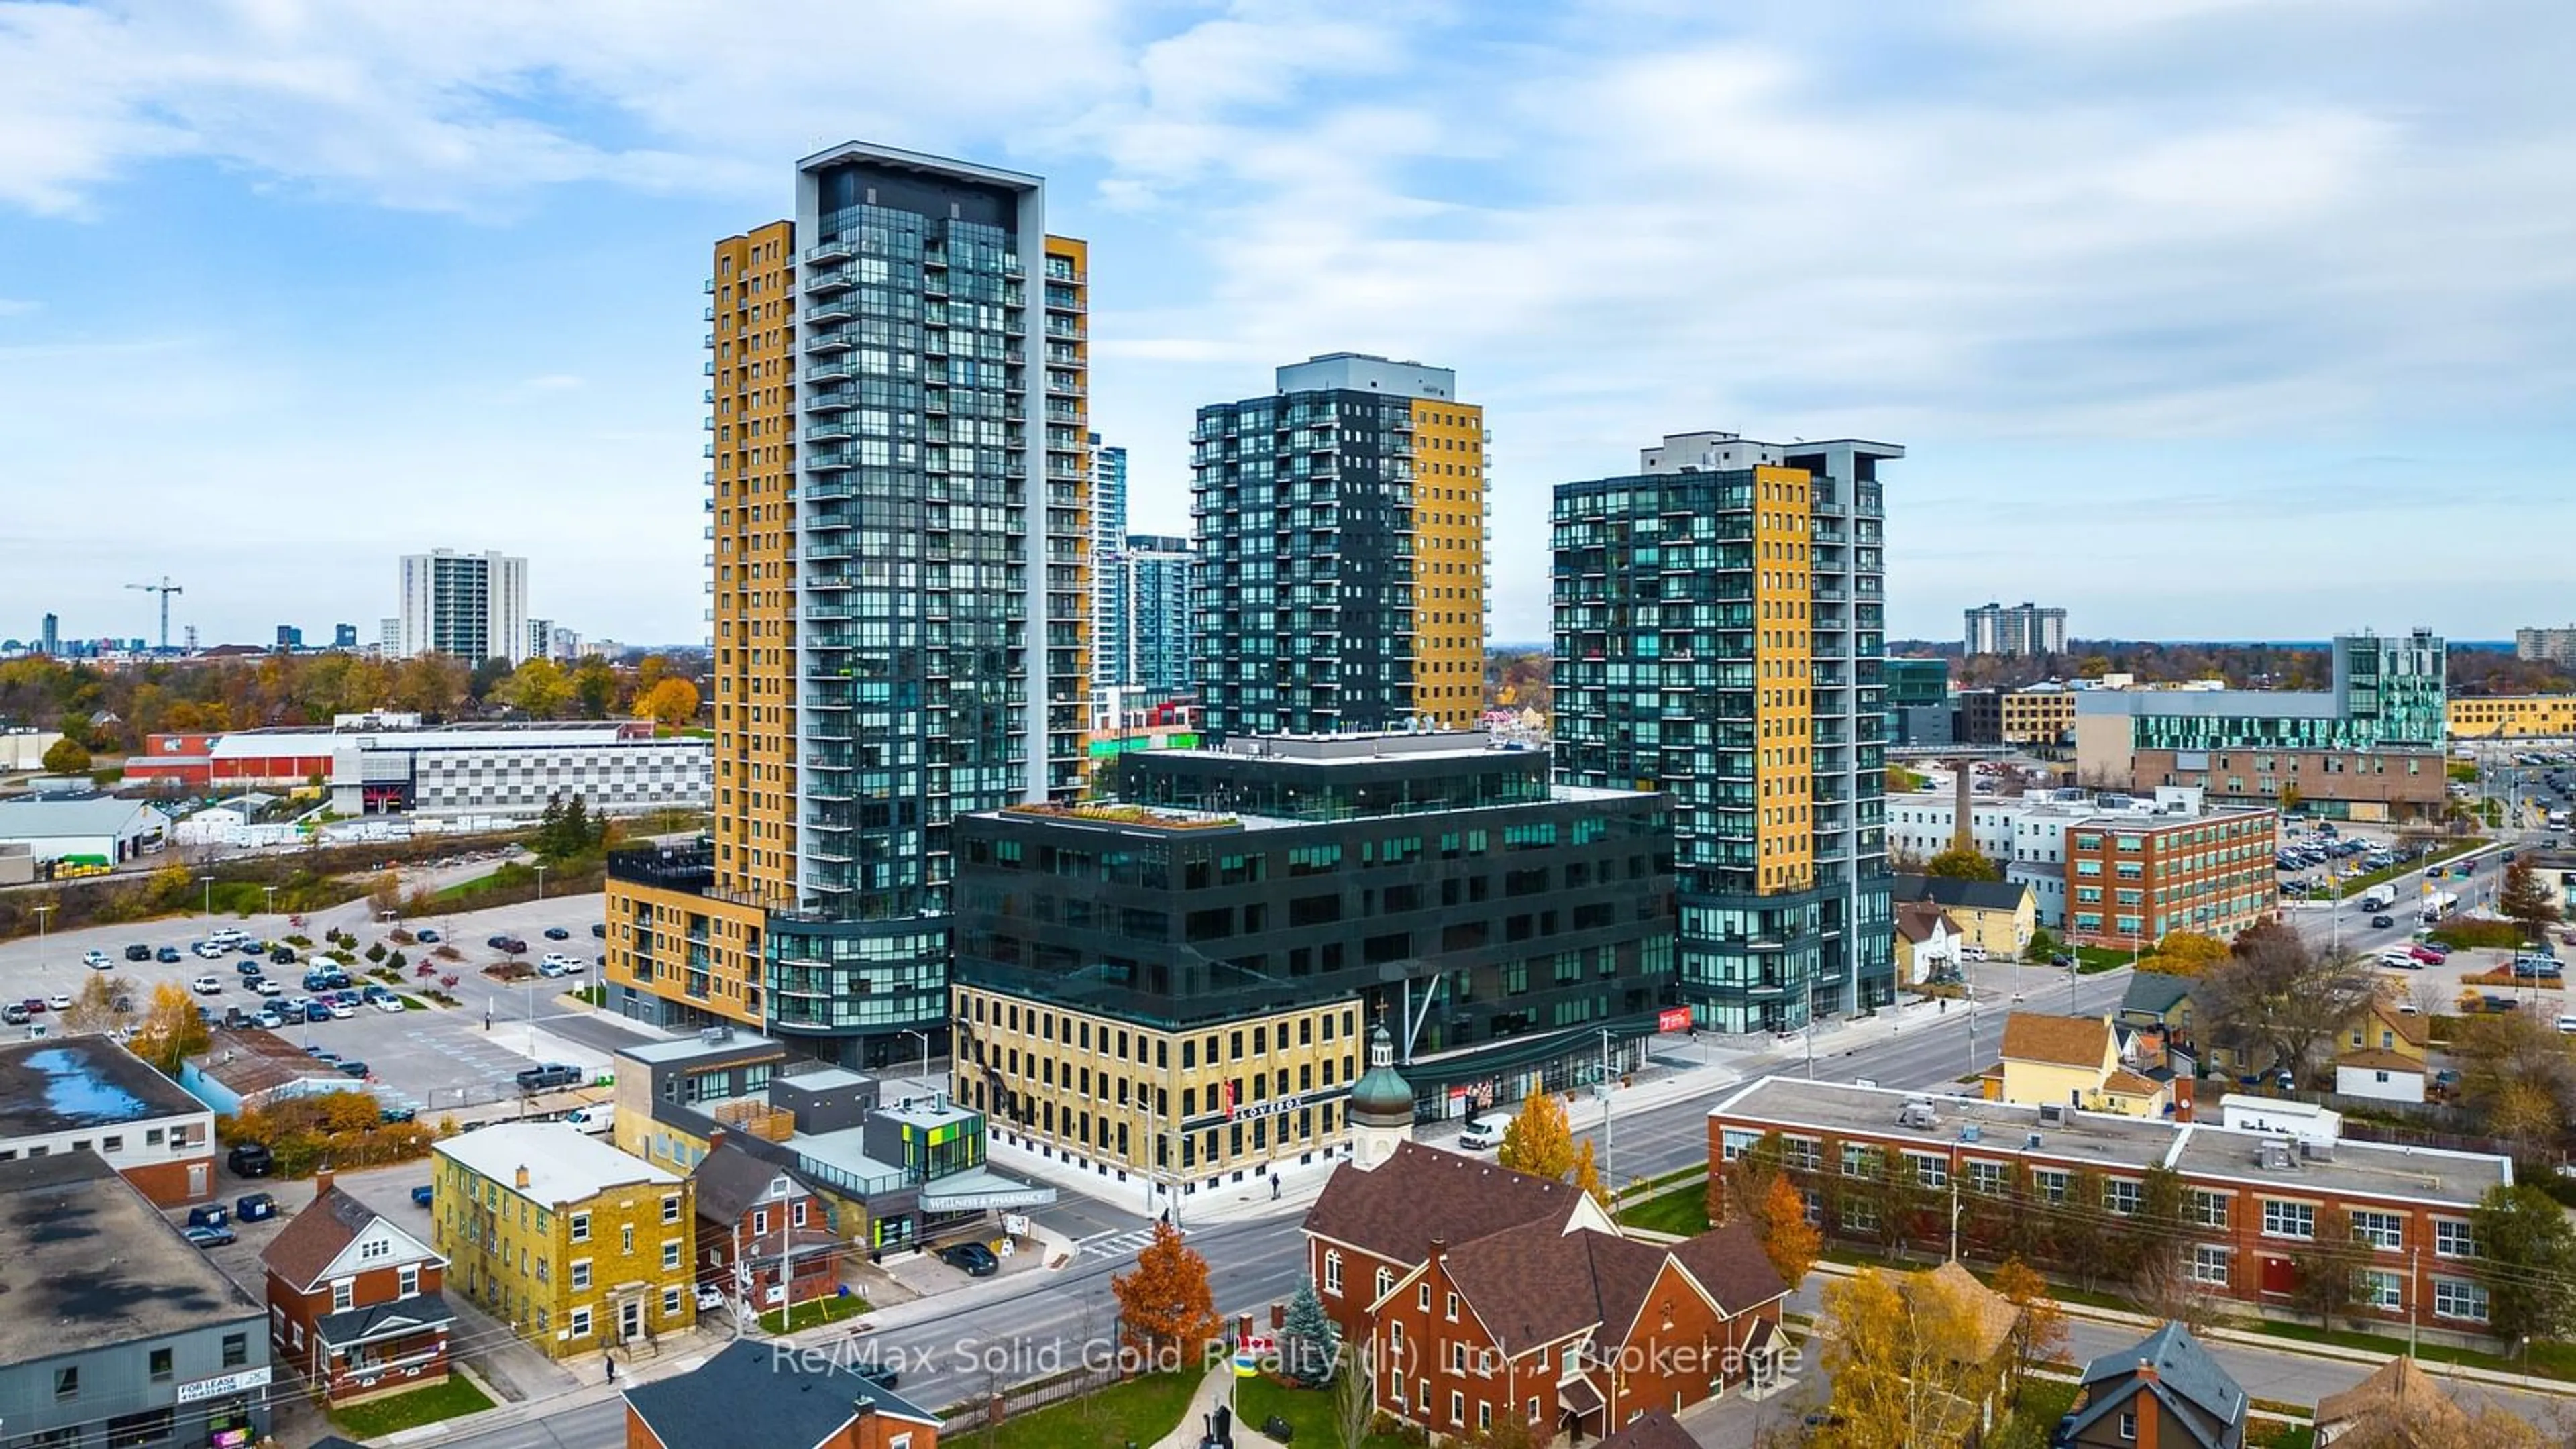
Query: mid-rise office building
(1919, 711)
(2512, 716)
(2041, 716)
(2553, 645)
(1160, 641)
(473, 606)
(1180, 985)
(2129, 882)
(1719, 632)
(1342, 539)
(2020, 631)
(289, 638)
(901, 595)
(344, 636)
(2370, 748)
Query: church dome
(1382, 1091)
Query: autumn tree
(171, 1030)
(94, 1007)
(1898, 1378)
(2434, 1420)
(1165, 1307)
(2515, 1071)
(2039, 1334)
(1962, 862)
(594, 687)
(2526, 1256)
(2275, 993)
(2526, 902)
(1539, 1140)
(1587, 1175)
(2188, 953)
(537, 688)
(431, 684)
(66, 757)
(1780, 1224)
(671, 702)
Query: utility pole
(1811, 1025)
(1606, 1176)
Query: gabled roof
(1654, 1429)
(1543, 1281)
(1915, 920)
(2205, 1406)
(2410, 1027)
(1396, 1208)
(314, 1239)
(2067, 1041)
(2126, 1083)
(1963, 895)
(391, 1319)
(730, 1180)
(1991, 1313)
(749, 1398)
(2400, 1386)
(2380, 1060)
(2155, 993)
(1729, 1263)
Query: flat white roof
(270, 744)
(564, 1163)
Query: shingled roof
(1653, 1429)
(314, 1238)
(2072, 1041)
(1962, 895)
(1395, 1209)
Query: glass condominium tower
(901, 596)
(1720, 632)
(1342, 535)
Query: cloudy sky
(2205, 318)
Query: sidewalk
(1217, 1388)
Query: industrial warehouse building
(394, 765)
(91, 831)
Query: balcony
(828, 280)
(829, 460)
(832, 309)
(830, 402)
(827, 340)
(833, 369)
(838, 250)
(835, 430)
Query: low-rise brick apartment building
(2131, 880)
(2020, 1175)
(1486, 1295)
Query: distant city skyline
(2199, 320)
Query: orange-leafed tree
(671, 702)
(171, 1030)
(1779, 1214)
(1165, 1307)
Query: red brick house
(354, 1302)
(762, 1235)
(1483, 1293)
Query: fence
(973, 1414)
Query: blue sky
(2200, 317)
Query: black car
(557, 933)
(250, 1159)
(167, 955)
(426, 937)
(599, 929)
(138, 952)
(973, 1259)
(282, 955)
(352, 1067)
(2382, 923)
(247, 968)
(882, 1375)
(253, 1207)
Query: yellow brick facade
(1154, 1103)
(1449, 561)
(2507, 716)
(1070, 566)
(1784, 671)
(573, 1277)
(2038, 716)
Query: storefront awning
(978, 1189)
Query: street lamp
(209, 883)
(44, 915)
(925, 1053)
(271, 907)
(541, 880)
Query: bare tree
(2276, 993)
(1354, 1396)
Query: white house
(97, 830)
(2384, 1075)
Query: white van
(1485, 1133)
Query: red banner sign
(1673, 1018)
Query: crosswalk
(1116, 1245)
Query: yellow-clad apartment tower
(899, 512)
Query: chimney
(2146, 1372)
(1438, 1247)
(321, 1183)
(1964, 837)
(523, 1177)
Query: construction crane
(165, 589)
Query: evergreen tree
(1310, 1342)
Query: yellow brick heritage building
(573, 1243)
(2512, 716)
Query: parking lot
(434, 1058)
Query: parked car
(710, 1298)
(973, 1259)
(352, 1067)
(316, 1011)
(59, 1001)
(96, 961)
(423, 1195)
(168, 956)
(207, 985)
(263, 986)
(390, 1005)
(268, 1019)
(138, 952)
(281, 955)
(392, 1115)
(429, 938)
(238, 1017)
(248, 970)
(33, 1005)
(557, 933)
(2402, 960)
(1485, 1133)
(211, 1237)
(255, 1207)
(2382, 923)
(552, 1076)
(2430, 956)
(15, 1014)
(596, 1121)
(599, 929)
(250, 1159)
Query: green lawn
(1313, 1413)
(1138, 1411)
(2092, 959)
(821, 1310)
(379, 1417)
(1682, 1210)
(2548, 1360)
(2043, 1403)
